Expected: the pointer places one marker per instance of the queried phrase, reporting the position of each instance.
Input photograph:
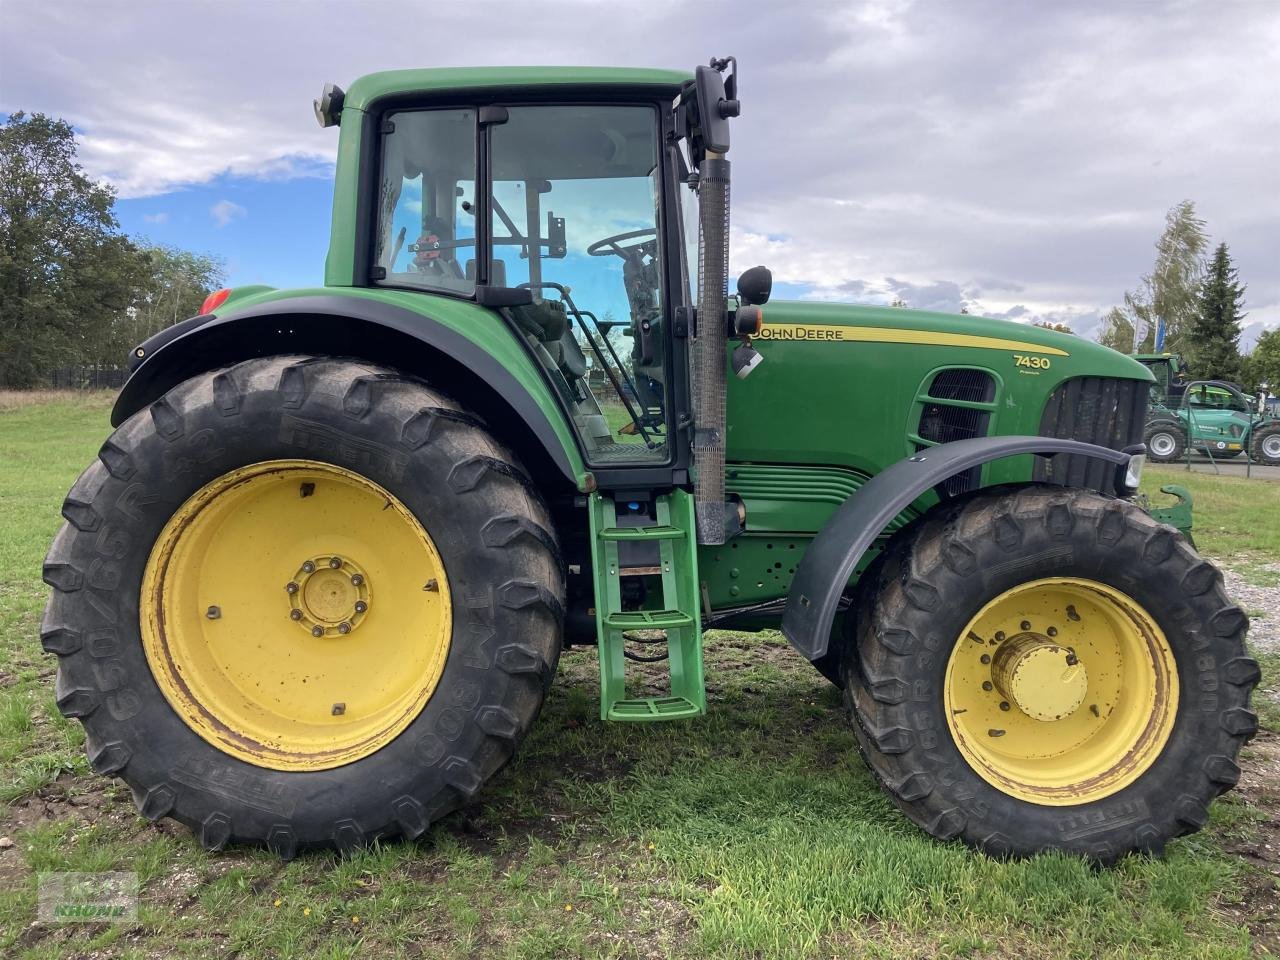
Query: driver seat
(548, 323)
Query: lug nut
(1004, 704)
(291, 587)
(213, 613)
(335, 562)
(295, 614)
(356, 579)
(999, 636)
(308, 567)
(1052, 631)
(361, 606)
(986, 685)
(306, 489)
(344, 628)
(1025, 625)
(317, 631)
(986, 658)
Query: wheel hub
(1043, 679)
(328, 593)
(1061, 691)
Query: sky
(1013, 158)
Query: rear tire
(942, 575)
(1166, 441)
(493, 535)
(1264, 445)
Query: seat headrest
(497, 272)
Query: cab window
(426, 201)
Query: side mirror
(754, 286)
(329, 107)
(714, 109)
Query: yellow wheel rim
(296, 615)
(1061, 691)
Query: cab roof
(374, 86)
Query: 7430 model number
(1035, 363)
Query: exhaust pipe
(708, 350)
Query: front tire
(1166, 441)
(303, 602)
(1051, 669)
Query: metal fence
(86, 378)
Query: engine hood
(840, 322)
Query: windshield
(1209, 397)
(575, 217)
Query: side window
(426, 201)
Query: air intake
(943, 418)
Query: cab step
(675, 610)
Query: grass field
(754, 832)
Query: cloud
(155, 218)
(988, 153)
(224, 211)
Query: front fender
(488, 366)
(830, 560)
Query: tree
(1262, 366)
(1051, 325)
(1175, 281)
(63, 266)
(1116, 331)
(170, 286)
(1170, 292)
(1213, 342)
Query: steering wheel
(612, 245)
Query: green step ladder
(676, 611)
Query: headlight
(1133, 471)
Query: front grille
(1103, 410)
(942, 423)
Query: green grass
(1234, 516)
(753, 832)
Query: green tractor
(1208, 417)
(313, 590)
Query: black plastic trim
(258, 332)
(831, 558)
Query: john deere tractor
(313, 590)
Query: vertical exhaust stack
(706, 105)
(709, 349)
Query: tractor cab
(565, 231)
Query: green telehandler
(313, 590)
(1207, 417)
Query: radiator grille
(942, 422)
(1103, 410)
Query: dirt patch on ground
(1258, 905)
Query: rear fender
(829, 562)
(369, 330)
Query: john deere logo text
(797, 331)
